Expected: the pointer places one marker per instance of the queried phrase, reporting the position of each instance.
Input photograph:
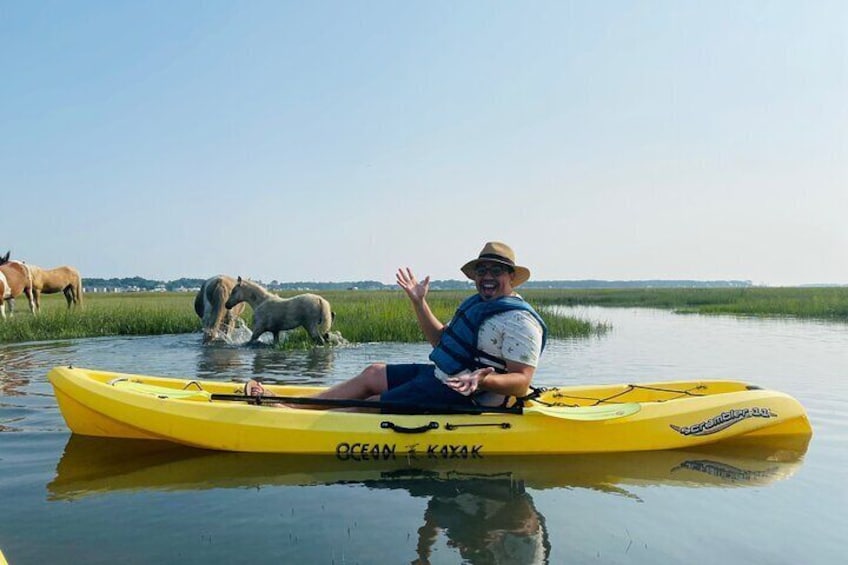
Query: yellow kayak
(561, 420)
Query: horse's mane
(5, 258)
(248, 282)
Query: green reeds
(386, 316)
(827, 303)
(361, 317)
(106, 315)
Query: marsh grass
(386, 316)
(361, 317)
(383, 316)
(103, 315)
(830, 303)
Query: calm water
(79, 500)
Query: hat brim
(522, 274)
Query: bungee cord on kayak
(619, 396)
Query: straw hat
(497, 252)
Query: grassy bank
(821, 303)
(361, 317)
(369, 316)
(102, 315)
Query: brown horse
(15, 278)
(64, 279)
(218, 322)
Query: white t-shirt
(514, 335)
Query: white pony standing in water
(274, 314)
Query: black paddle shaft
(387, 407)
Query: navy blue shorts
(416, 383)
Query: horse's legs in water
(315, 334)
(229, 323)
(257, 331)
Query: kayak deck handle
(386, 425)
(501, 425)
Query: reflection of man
(489, 520)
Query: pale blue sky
(340, 140)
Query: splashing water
(242, 332)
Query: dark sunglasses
(495, 270)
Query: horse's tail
(28, 276)
(78, 289)
(219, 299)
(24, 271)
(29, 288)
(327, 316)
(198, 301)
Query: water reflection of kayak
(97, 466)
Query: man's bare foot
(254, 388)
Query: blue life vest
(457, 348)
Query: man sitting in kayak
(486, 354)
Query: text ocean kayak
(572, 419)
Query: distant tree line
(142, 284)
(139, 283)
(592, 283)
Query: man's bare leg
(368, 384)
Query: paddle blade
(586, 413)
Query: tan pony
(64, 279)
(218, 321)
(274, 314)
(15, 278)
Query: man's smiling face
(493, 280)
